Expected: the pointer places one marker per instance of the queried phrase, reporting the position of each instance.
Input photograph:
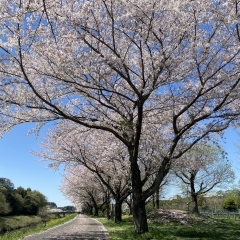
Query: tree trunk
(138, 208)
(153, 201)
(129, 203)
(139, 216)
(194, 195)
(90, 210)
(118, 211)
(195, 201)
(95, 206)
(157, 197)
(95, 211)
(138, 204)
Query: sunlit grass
(19, 234)
(13, 222)
(217, 229)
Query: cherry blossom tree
(120, 67)
(204, 168)
(101, 154)
(83, 187)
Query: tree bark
(194, 195)
(90, 210)
(153, 201)
(96, 210)
(157, 197)
(118, 211)
(95, 206)
(138, 204)
(195, 201)
(129, 203)
(139, 216)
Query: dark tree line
(19, 201)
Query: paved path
(80, 228)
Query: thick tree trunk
(138, 207)
(96, 211)
(95, 206)
(108, 211)
(118, 211)
(193, 192)
(139, 216)
(138, 204)
(195, 201)
(90, 210)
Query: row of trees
(130, 83)
(214, 202)
(19, 201)
(205, 168)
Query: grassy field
(216, 229)
(18, 234)
(14, 222)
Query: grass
(20, 233)
(216, 229)
(13, 222)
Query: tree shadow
(80, 236)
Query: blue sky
(232, 138)
(24, 169)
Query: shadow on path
(84, 236)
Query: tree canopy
(130, 68)
(20, 201)
(205, 168)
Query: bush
(230, 205)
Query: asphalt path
(81, 227)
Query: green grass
(13, 222)
(217, 229)
(18, 234)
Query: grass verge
(21, 233)
(215, 230)
(14, 222)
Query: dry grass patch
(166, 216)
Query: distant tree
(5, 182)
(121, 66)
(21, 191)
(205, 168)
(4, 205)
(235, 195)
(30, 204)
(83, 187)
(69, 208)
(51, 204)
(16, 202)
(229, 204)
(33, 201)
